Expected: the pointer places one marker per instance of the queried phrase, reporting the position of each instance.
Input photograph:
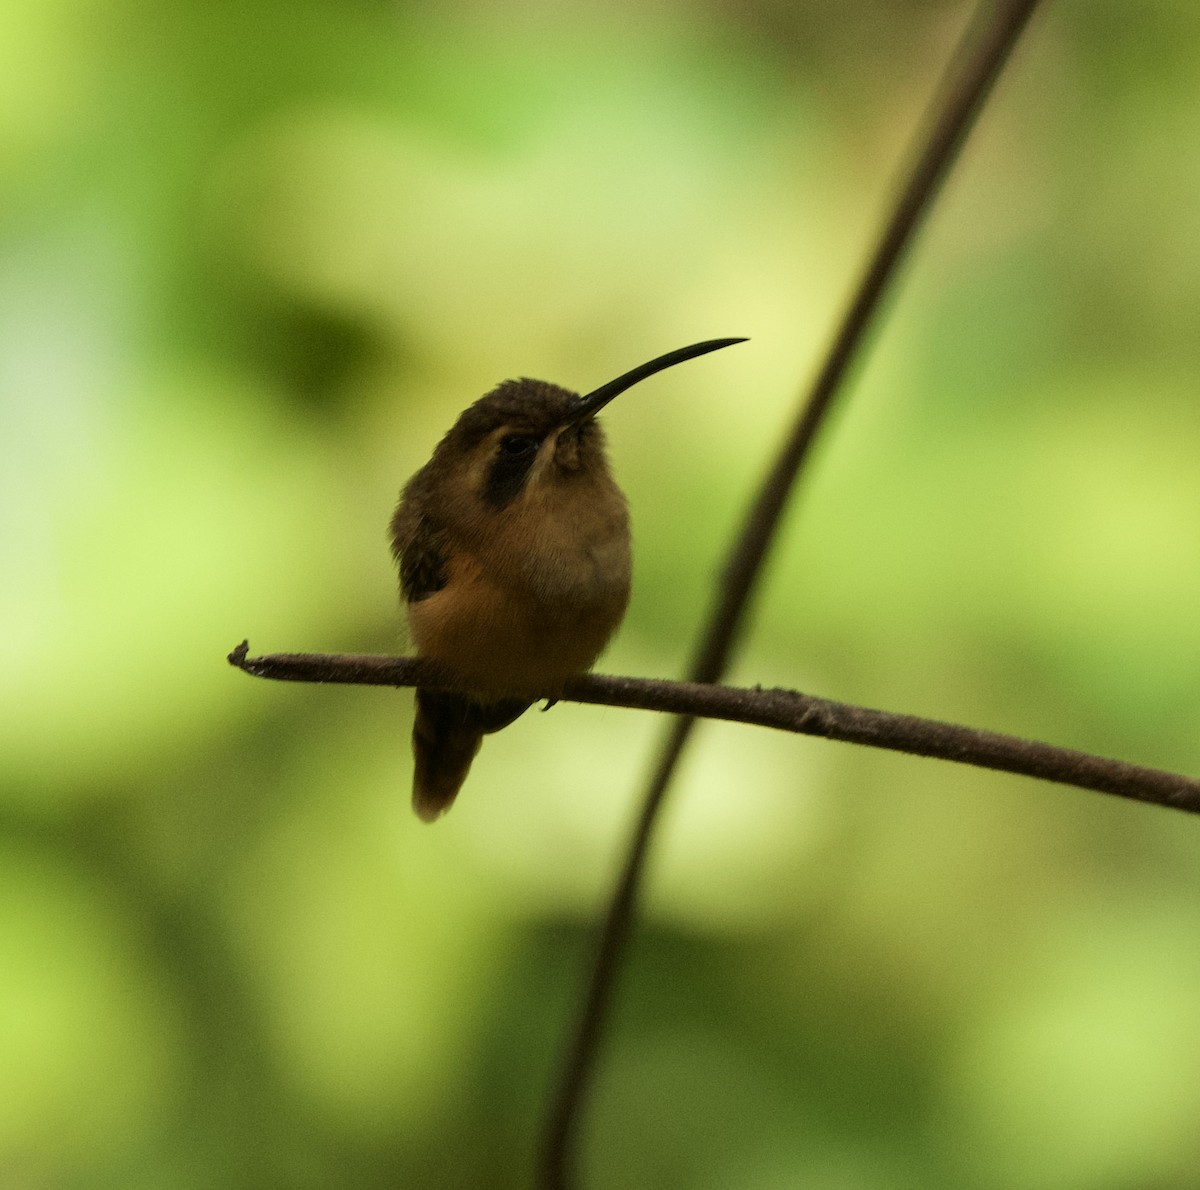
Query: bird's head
(527, 437)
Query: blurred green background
(254, 259)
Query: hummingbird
(513, 548)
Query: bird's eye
(518, 445)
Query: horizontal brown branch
(786, 710)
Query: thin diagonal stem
(982, 56)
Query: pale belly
(507, 640)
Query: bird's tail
(447, 732)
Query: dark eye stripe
(518, 444)
(509, 469)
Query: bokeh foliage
(254, 258)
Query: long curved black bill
(593, 402)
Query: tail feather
(447, 732)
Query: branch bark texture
(785, 710)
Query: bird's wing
(417, 543)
